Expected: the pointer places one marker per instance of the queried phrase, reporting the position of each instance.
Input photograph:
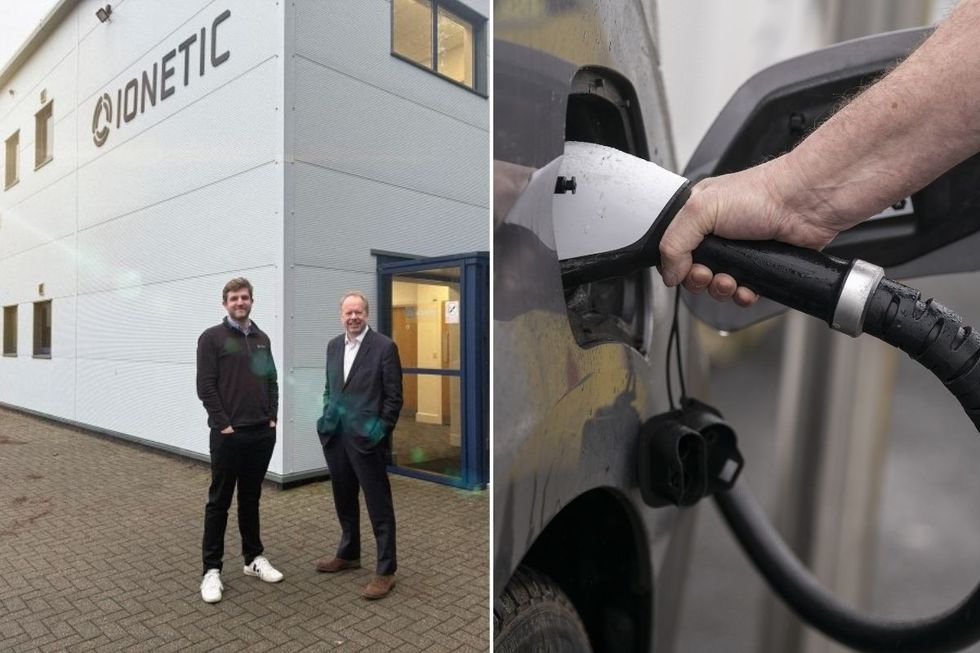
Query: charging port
(601, 109)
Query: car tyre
(535, 615)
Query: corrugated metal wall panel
(63, 151)
(200, 106)
(180, 199)
(347, 125)
(60, 89)
(63, 320)
(46, 386)
(39, 219)
(156, 402)
(340, 218)
(388, 157)
(147, 28)
(331, 32)
(32, 76)
(153, 332)
(307, 388)
(228, 132)
(161, 322)
(207, 231)
(58, 85)
(62, 340)
(317, 319)
(52, 264)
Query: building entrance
(436, 312)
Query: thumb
(679, 240)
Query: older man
(362, 397)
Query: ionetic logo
(132, 98)
(101, 134)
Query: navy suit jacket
(366, 406)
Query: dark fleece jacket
(236, 377)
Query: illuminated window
(42, 329)
(10, 160)
(454, 56)
(438, 35)
(43, 135)
(9, 330)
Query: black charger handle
(854, 297)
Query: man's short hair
(236, 284)
(359, 295)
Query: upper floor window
(42, 329)
(43, 135)
(10, 330)
(12, 144)
(438, 35)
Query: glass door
(428, 312)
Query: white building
(152, 157)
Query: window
(43, 135)
(438, 35)
(42, 329)
(9, 330)
(10, 161)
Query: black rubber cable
(932, 335)
(952, 630)
(676, 332)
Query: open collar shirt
(350, 349)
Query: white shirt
(350, 350)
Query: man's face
(353, 315)
(238, 303)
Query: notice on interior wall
(452, 312)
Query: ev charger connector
(609, 223)
(612, 223)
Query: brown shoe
(379, 587)
(335, 564)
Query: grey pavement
(100, 550)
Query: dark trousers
(240, 458)
(351, 469)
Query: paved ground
(100, 550)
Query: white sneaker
(211, 586)
(263, 569)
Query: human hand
(760, 203)
(272, 423)
(227, 430)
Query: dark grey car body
(568, 405)
(571, 385)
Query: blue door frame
(474, 369)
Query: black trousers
(237, 459)
(352, 469)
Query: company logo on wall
(131, 99)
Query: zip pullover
(236, 377)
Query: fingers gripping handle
(802, 279)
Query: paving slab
(100, 546)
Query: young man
(361, 401)
(236, 380)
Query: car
(581, 561)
